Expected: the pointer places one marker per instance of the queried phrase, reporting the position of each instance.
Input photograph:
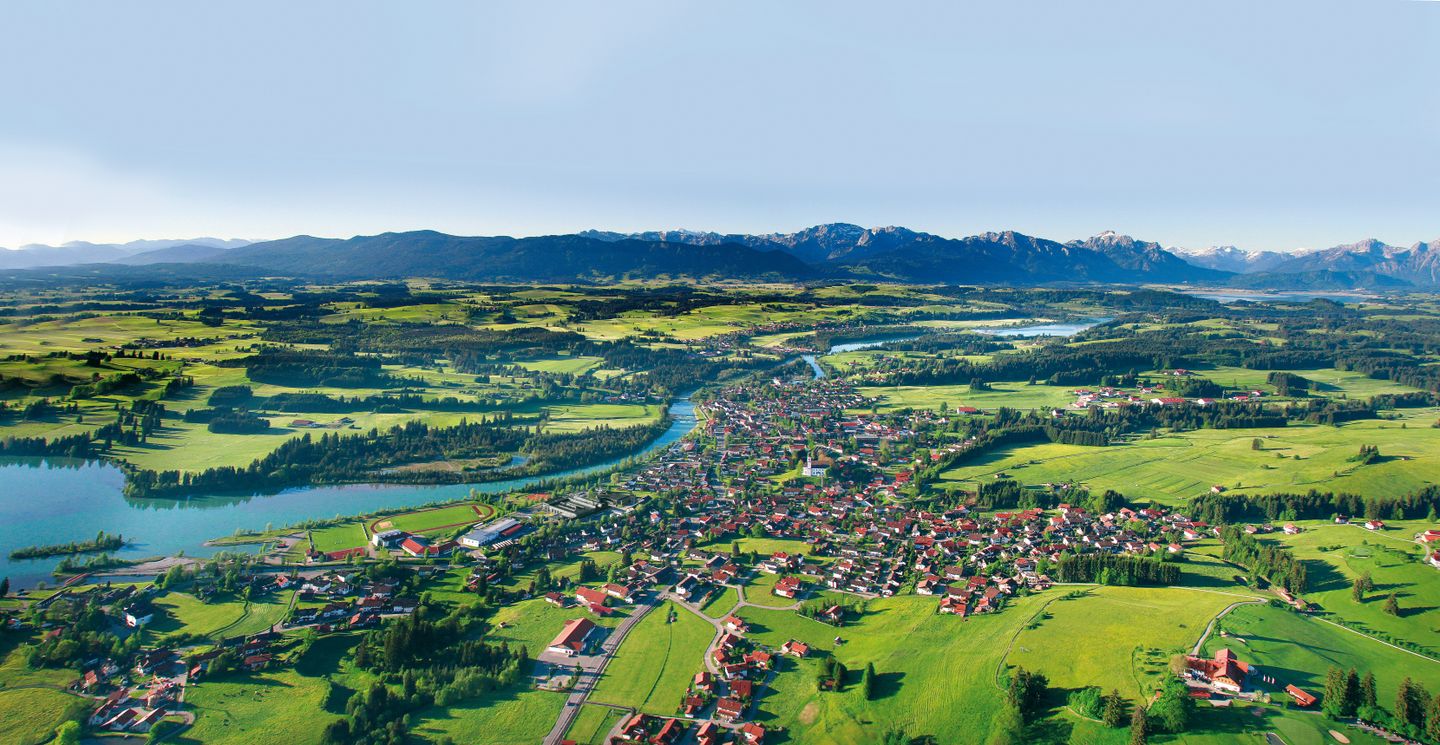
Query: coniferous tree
(1139, 726)
(1114, 715)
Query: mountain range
(134, 252)
(836, 250)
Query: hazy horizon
(1271, 126)
(1061, 239)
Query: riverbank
(60, 500)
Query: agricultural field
(1172, 468)
(654, 665)
(1018, 395)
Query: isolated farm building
(572, 637)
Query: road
(592, 666)
(1195, 651)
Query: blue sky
(1261, 124)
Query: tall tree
(1367, 691)
(1114, 714)
(1139, 725)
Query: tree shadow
(888, 684)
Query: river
(1039, 329)
(47, 501)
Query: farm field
(512, 717)
(656, 662)
(1176, 467)
(949, 689)
(577, 417)
(30, 716)
(270, 708)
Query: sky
(1267, 125)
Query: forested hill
(836, 251)
(427, 253)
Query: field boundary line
(1375, 639)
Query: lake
(48, 501)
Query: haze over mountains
(837, 250)
(134, 252)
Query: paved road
(592, 666)
(1195, 651)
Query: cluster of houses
(337, 600)
(1107, 397)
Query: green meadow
(593, 724)
(1338, 554)
(655, 664)
(1175, 467)
(1298, 650)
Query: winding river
(48, 501)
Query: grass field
(593, 724)
(183, 613)
(338, 537)
(576, 417)
(762, 547)
(1115, 637)
(280, 707)
(720, 603)
(1176, 467)
(654, 665)
(30, 716)
(948, 691)
(511, 717)
(760, 591)
(533, 623)
(1296, 649)
(1014, 395)
(1340, 553)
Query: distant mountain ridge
(829, 251)
(84, 252)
